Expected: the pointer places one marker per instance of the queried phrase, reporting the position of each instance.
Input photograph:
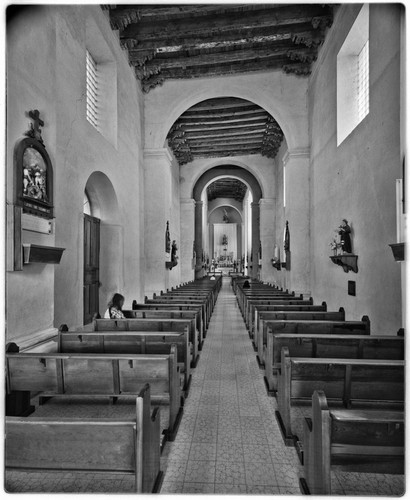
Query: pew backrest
(89, 444)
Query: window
(353, 77)
(363, 82)
(92, 90)
(101, 84)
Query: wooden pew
(351, 440)
(129, 343)
(171, 307)
(255, 309)
(305, 345)
(99, 375)
(178, 301)
(260, 338)
(309, 326)
(245, 298)
(146, 325)
(273, 301)
(147, 312)
(90, 445)
(343, 380)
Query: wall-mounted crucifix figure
(35, 131)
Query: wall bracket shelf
(42, 254)
(347, 261)
(398, 251)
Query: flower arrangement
(336, 245)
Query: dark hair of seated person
(246, 284)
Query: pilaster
(187, 238)
(267, 236)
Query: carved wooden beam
(229, 22)
(209, 135)
(212, 128)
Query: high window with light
(92, 90)
(353, 103)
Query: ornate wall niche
(33, 178)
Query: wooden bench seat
(343, 380)
(255, 309)
(278, 301)
(319, 326)
(351, 440)
(91, 375)
(172, 306)
(146, 325)
(89, 445)
(327, 346)
(169, 313)
(260, 337)
(178, 300)
(130, 343)
(245, 298)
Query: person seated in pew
(114, 310)
(246, 284)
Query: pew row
(169, 311)
(256, 308)
(327, 346)
(130, 343)
(89, 445)
(346, 381)
(317, 326)
(91, 375)
(146, 325)
(351, 440)
(277, 302)
(177, 301)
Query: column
(255, 238)
(187, 239)
(297, 212)
(157, 210)
(267, 235)
(198, 238)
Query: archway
(102, 255)
(219, 172)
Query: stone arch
(227, 171)
(104, 202)
(281, 95)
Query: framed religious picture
(34, 178)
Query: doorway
(91, 267)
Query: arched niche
(104, 207)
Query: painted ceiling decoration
(203, 40)
(227, 188)
(224, 126)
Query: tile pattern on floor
(228, 441)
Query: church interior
(205, 274)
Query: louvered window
(92, 91)
(363, 82)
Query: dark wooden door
(91, 266)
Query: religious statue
(344, 232)
(224, 240)
(174, 257)
(225, 216)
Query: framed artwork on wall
(33, 178)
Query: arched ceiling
(200, 40)
(227, 188)
(223, 127)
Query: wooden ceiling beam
(210, 135)
(233, 57)
(284, 15)
(221, 103)
(203, 39)
(226, 69)
(215, 127)
(216, 154)
(225, 120)
(257, 142)
(219, 114)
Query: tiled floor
(228, 440)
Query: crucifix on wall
(35, 131)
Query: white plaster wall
(46, 71)
(356, 180)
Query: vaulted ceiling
(202, 40)
(223, 127)
(227, 188)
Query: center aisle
(228, 440)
